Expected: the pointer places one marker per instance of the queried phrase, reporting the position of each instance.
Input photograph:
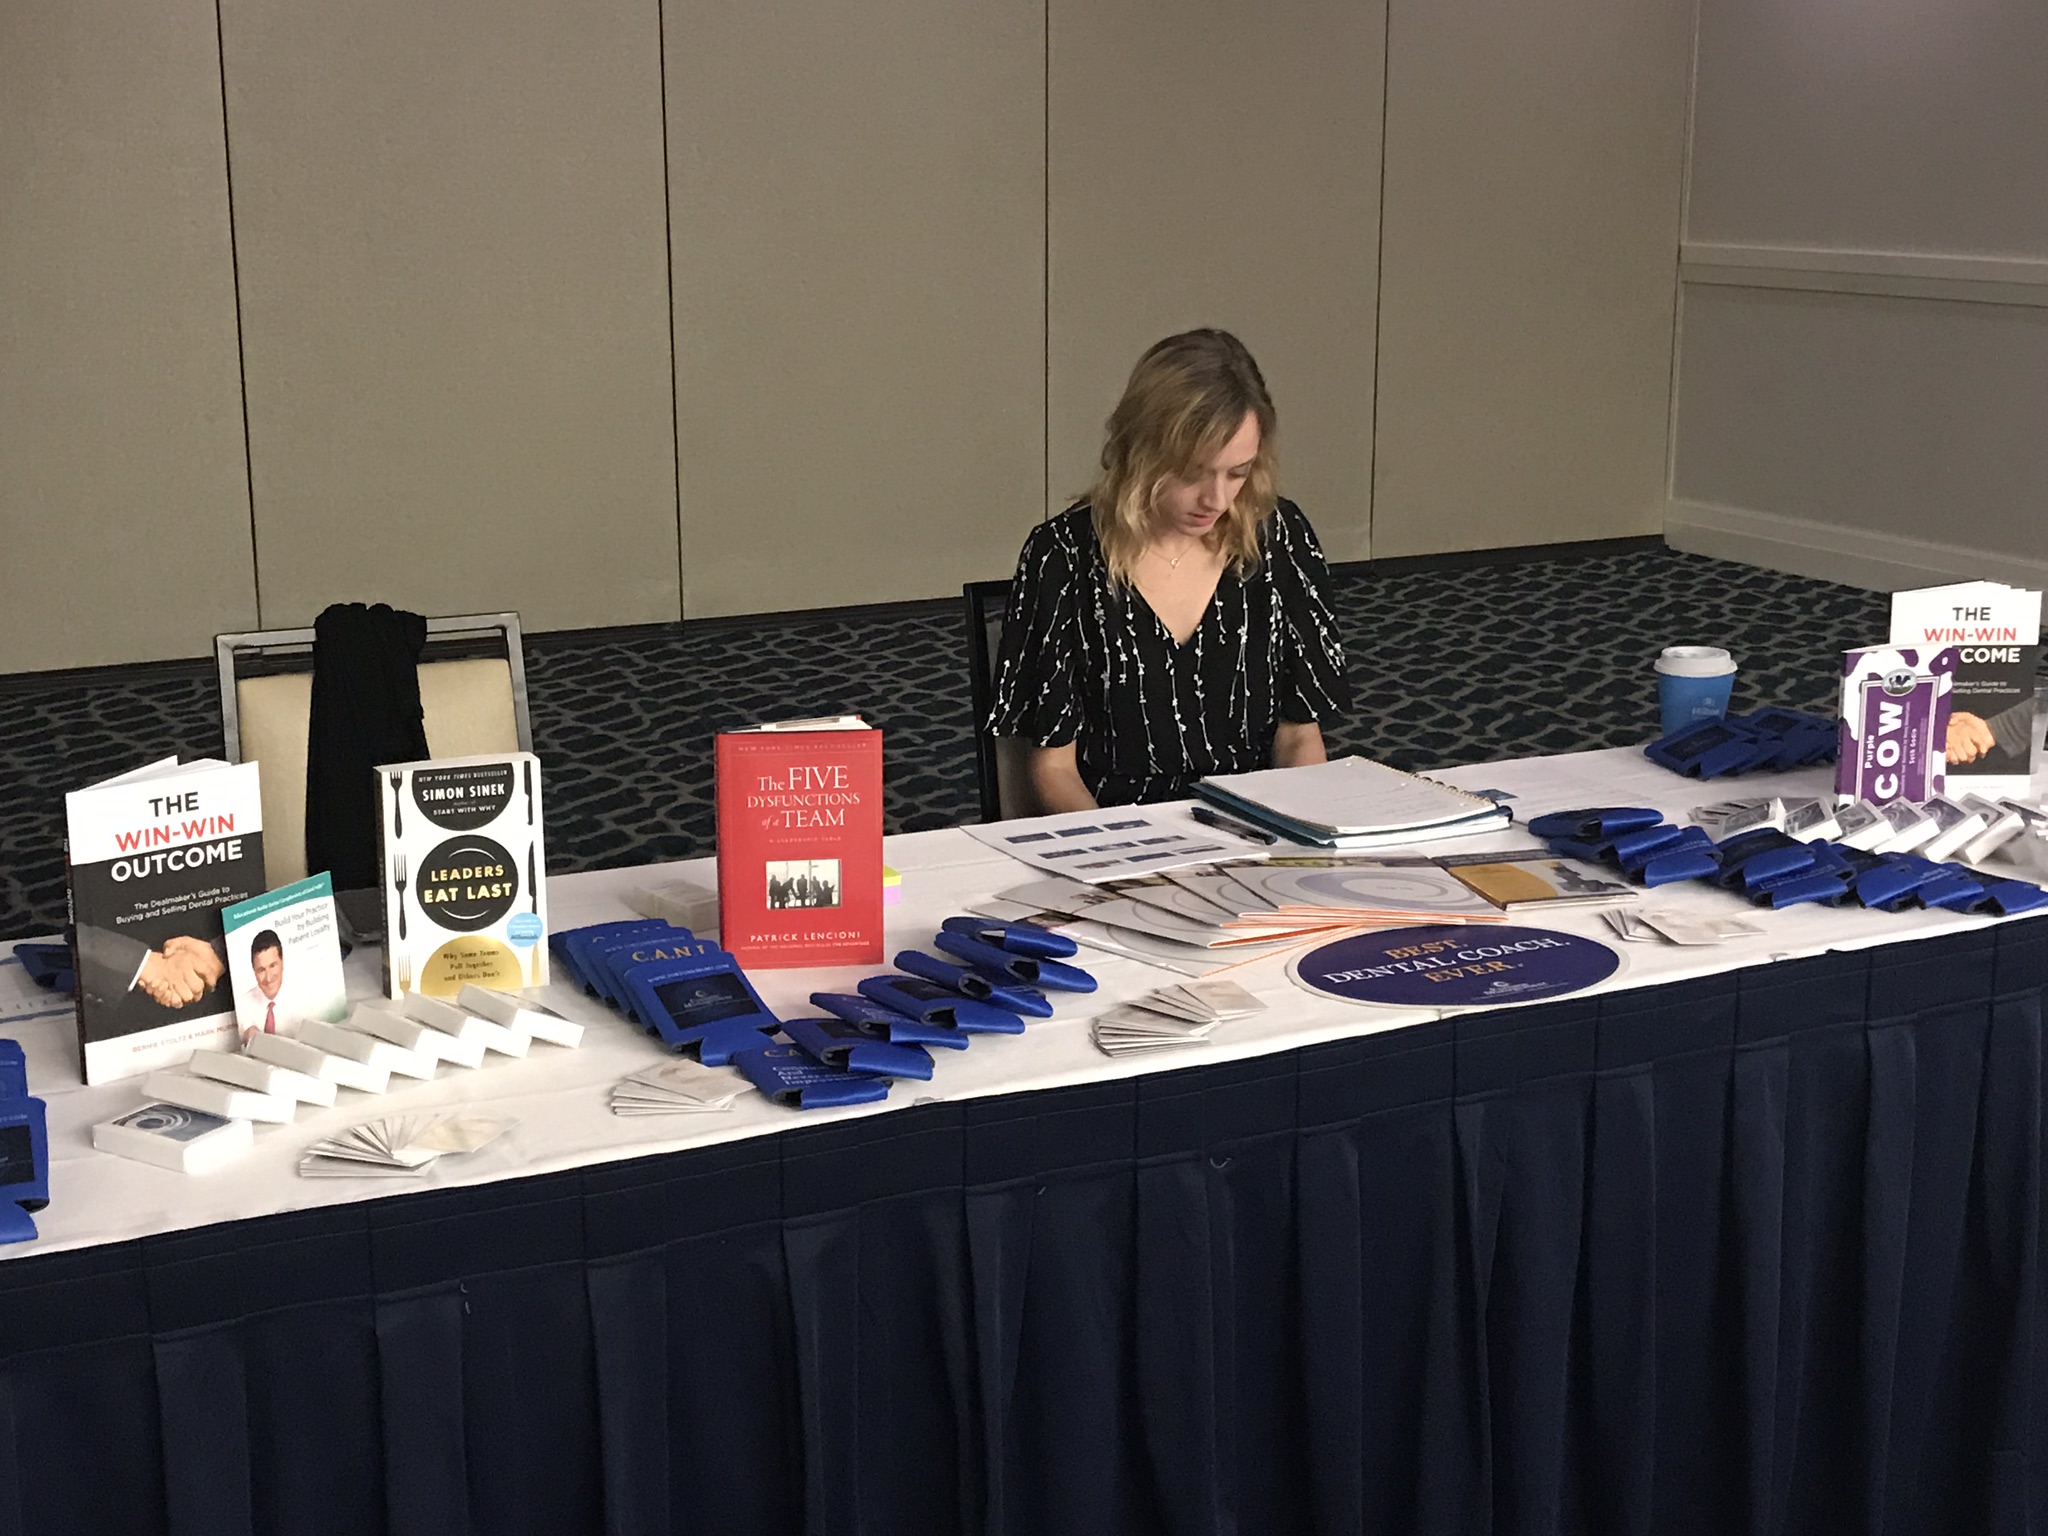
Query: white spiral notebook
(1352, 802)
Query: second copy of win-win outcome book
(800, 843)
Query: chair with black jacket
(369, 685)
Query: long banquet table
(1746, 1240)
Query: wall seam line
(1045, 283)
(1379, 281)
(1692, 91)
(668, 256)
(227, 157)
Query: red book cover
(800, 846)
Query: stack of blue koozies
(25, 1138)
(1772, 868)
(696, 998)
(996, 977)
(1763, 738)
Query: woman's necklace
(1173, 561)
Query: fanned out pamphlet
(284, 958)
(1289, 899)
(1173, 1017)
(1996, 632)
(1148, 909)
(154, 856)
(1366, 889)
(1678, 928)
(1166, 954)
(399, 1146)
(1352, 802)
(464, 874)
(678, 1086)
(1218, 885)
(1199, 921)
(800, 843)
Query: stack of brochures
(1173, 1017)
(678, 1086)
(1351, 802)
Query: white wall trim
(1883, 562)
(1895, 274)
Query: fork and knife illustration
(398, 880)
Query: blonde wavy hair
(1185, 400)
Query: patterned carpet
(1450, 666)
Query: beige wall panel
(858, 227)
(1895, 125)
(1916, 419)
(455, 306)
(121, 464)
(1216, 162)
(1528, 270)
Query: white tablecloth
(561, 1098)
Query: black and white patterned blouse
(1088, 662)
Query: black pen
(1222, 823)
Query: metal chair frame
(987, 604)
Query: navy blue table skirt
(1756, 1254)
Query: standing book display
(1996, 631)
(464, 867)
(800, 843)
(1894, 728)
(154, 855)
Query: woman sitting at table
(1174, 623)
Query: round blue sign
(1455, 966)
(524, 929)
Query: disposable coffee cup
(1693, 684)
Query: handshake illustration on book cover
(183, 971)
(154, 856)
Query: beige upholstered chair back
(472, 704)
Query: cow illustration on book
(802, 883)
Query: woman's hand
(1296, 742)
(1055, 778)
